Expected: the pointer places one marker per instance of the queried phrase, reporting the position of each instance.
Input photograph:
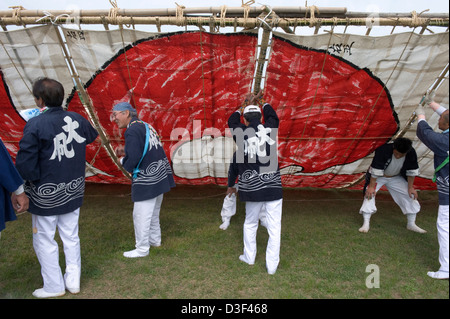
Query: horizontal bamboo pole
(322, 12)
(237, 22)
(239, 11)
(233, 16)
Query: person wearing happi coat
(52, 159)
(12, 194)
(394, 166)
(258, 175)
(152, 176)
(439, 144)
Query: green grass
(322, 253)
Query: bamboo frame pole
(88, 105)
(240, 11)
(229, 22)
(261, 59)
(288, 17)
(297, 12)
(413, 117)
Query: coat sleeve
(27, 160)
(232, 173)
(412, 165)
(376, 169)
(270, 116)
(134, 146)
(433, 140)
(90, 133)
(10, 178)
(234, 121)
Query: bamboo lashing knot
(416, 21)
(180, 14)
(312, 15)
(113, 12)
(223, 12)
(16, 14)
(246, 7)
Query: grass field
(323, 256)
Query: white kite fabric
(338, 96)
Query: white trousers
(442, 227)
(252, 211)
(398, 188)
(147, 229)
(47, 252)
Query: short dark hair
(445, 116)
(403, 145)
(252, 116)
(49, 90)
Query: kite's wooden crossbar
(246, 17)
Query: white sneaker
(411, 224)
(415, 228)
(366, 224)
(242, 258)
(72, 279)
(271, 272)
(41, 293)
(225, 225)
(134, 254)
(438, 274)
(364, 228)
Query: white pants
(442, 227)
(147, 229)
(398, 188)
(252, 211)
(47, 251)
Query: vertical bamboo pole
(88, 105)
(261, 59)
(413, 117)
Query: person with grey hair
(143, 156)
(438, 143)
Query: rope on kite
(204, 97)
(371, 110)
(412, 118)
(15, 66)
(290, 172)
(114, 12)
(180, 15)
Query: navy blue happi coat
(256, 160)
(52, 159)
(10, 181)
(155, 174)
